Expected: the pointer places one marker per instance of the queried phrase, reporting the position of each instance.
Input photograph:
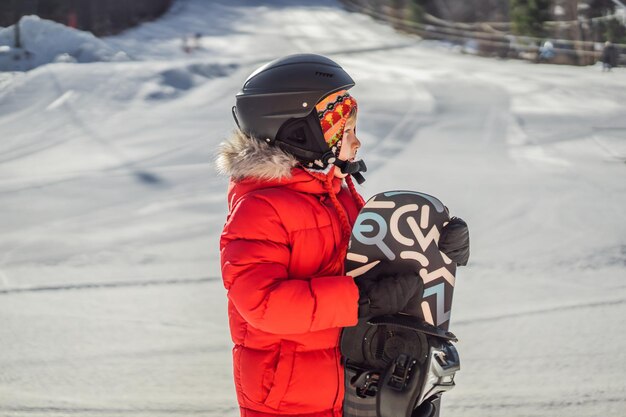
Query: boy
(292, 204)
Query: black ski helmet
(277, 104)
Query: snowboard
(399, 365)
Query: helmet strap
(234, 110)
(353, 168)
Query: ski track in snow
(115, 411)
(541, 312)
(97, 285)
(110, 297)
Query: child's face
(349, 144)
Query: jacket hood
(253, 165)
(244, 157)
(257, 166)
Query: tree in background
(606, 29)
(528, 16)
(610, 30)
(599, 8)
(416, 10)
(407, 10)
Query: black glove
(387, 295)
(454, 241)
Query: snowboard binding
(402, 367)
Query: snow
(44, 41)
(110, 295)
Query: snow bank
(44, 41)
(170, 81)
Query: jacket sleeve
(255, 256)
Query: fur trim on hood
(245, 157)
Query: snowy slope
(44, 42)
(110, 296)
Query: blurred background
(111, 113)
(99, 17)
(557, 31)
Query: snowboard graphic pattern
(398, 231)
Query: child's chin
(339, 174)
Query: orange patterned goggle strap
(333, 112)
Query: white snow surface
(111, 300)
(44, 41)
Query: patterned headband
(333, 112)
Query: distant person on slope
(546, 52)
(292, 204)
(609, 56)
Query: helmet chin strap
(353, 168)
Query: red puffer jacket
(282, 252)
